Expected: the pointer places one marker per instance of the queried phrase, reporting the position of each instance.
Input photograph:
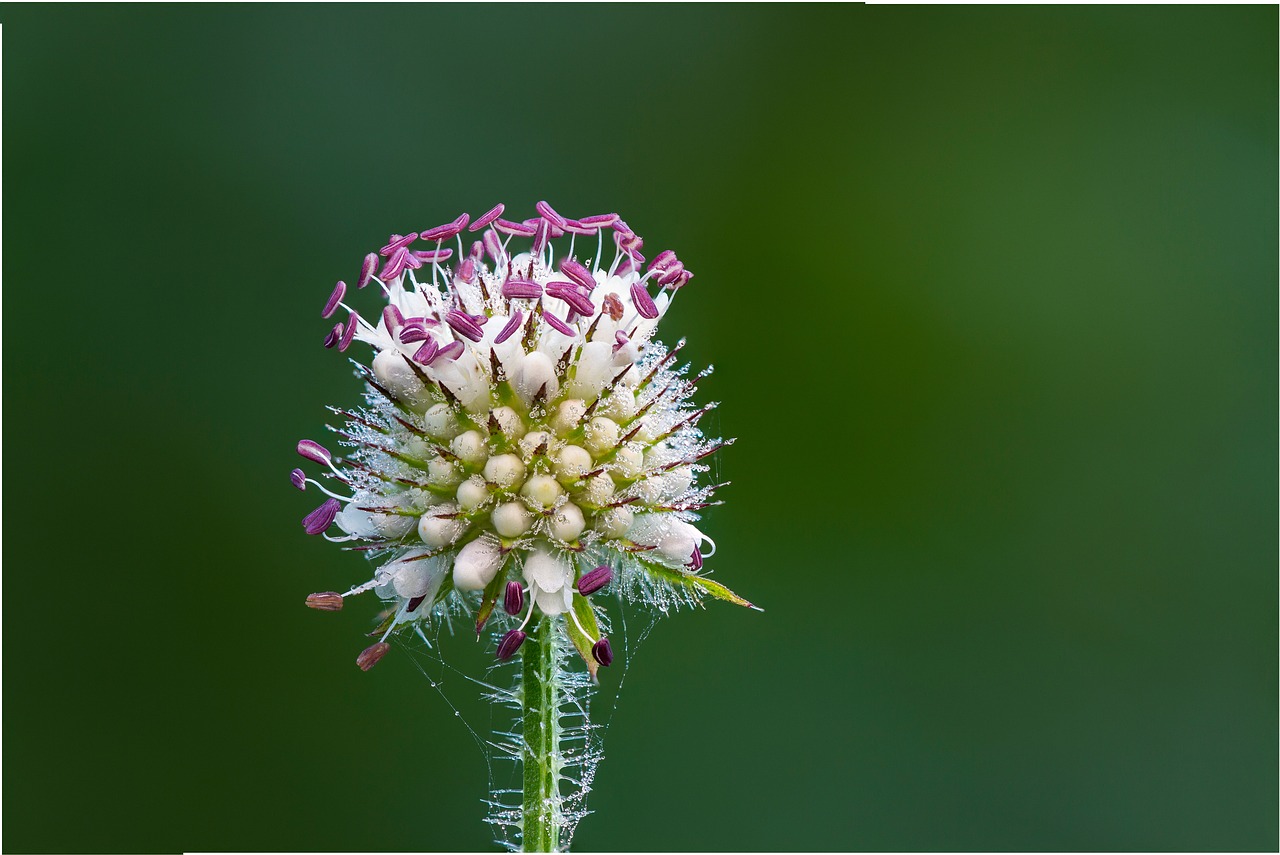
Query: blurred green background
(991, 295)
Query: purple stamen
(578, 273)
(550, 214)
(452, 350)
(411, 260)
(493, 246)
(349, 333)
(695, 561)
(521, 289)
(395, 265)
(398, 242)
(558, 324)
(298, 478)
(625, 266)
(540, 237)
(321, 518)
(334, 336)
(427, 352)
(393, 319)
(554, 230)
(339, 291)
(371, 655)
(599, 220)
(510, 644)
(518, 229)
(602, 652)
(595, 580)
(410, 333)
(326, 601)
(568, 292)
(643, 302)
(477, 251)
(673, 274)
(433, 255)
(314, 451)
(414, 602)
(466, 270)
(662, 259)
(464, 325)
(447, 231)
(621, 338)
(620, 225)
(574, 227)
(512, 325)
(487, 218)
(513, 602)
(366, 269)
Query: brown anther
(326, 601)
(613, 306)
(370, 655)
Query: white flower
(521, 425)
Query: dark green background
(991, 294)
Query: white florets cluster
(524, 436)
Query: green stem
(539, 704)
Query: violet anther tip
(335, 297)
(321, 518)
(314, 451)
(298, 478)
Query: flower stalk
(541, 819)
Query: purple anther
(521, 289)
(643, 302)
(321, 518)
(392, 318)
(510, 644)
(674, 274)
(574, 227)
(433, 255)
(466, 270)
(662, 259)
(427, 352)
(512, 325)
(314, 451)
(450, 351)
(559, 325)
(540, 236)
(411, 260)
(395, 265)
(398, 242)
(518, 229)
(493, 246)
(621, 338)
(571, 294)
(595, 580)
(599, 220)
(578, 273)
(298, 478)
(339, 291)
(369, 265)
(513, 601)
(620, 225)
(602, 652)
(371, 655)
(695, 560)
(447, 231)
(549, 213)
(414, 602)
(326, 601)
(349, 333)
(487, 218)
(613, 306)
(464, 325)
(625, 266)
(477, 251)
(334, 336)
(410, 333)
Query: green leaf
(701, 584)
(587, 617)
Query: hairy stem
(540, 701)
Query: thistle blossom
(524, 438)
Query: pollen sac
(522, 427)
(372, 655)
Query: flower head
(525, 437)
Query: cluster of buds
(524, 437)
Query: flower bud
(568, 415)
(567, 522)
(629, 461)
(602, 435)
(571, 463)
(542, 490)
(472, 493)
(509, 422)
(511, 519)
(615, 522)
(504, 470)
(535, 373)
(476, 565)
(470, 447)
(440, 423)
(436, 529)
